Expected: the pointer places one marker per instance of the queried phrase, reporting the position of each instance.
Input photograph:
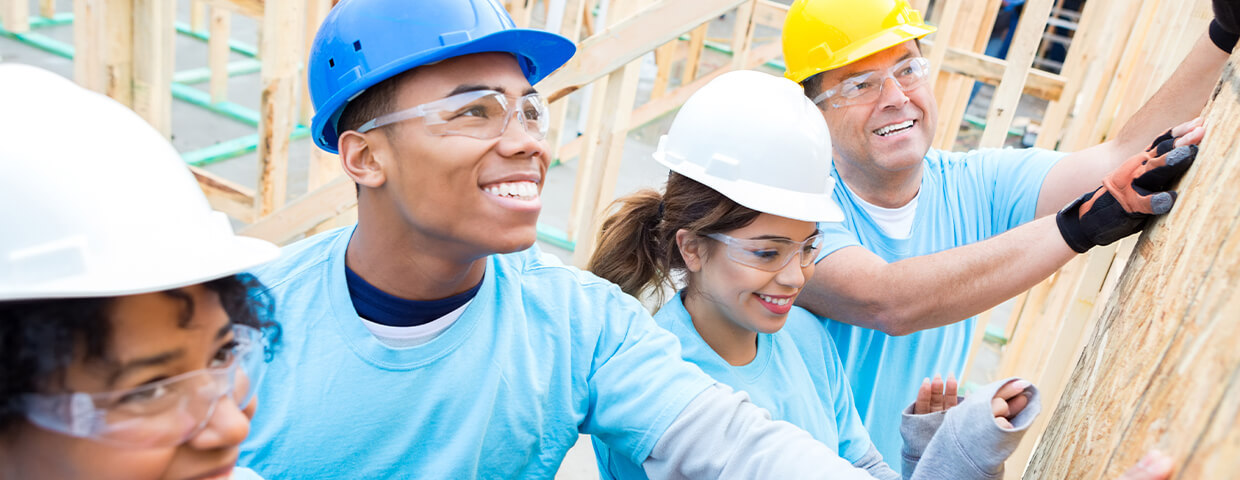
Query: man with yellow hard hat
(934, 237)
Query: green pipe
(41, 42)
(981, 123)
(202, 99)
(63, 18)
(555, 236)
(203, 74)
(239, 47)
(232, 148)
(996, 336)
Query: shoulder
(539, 275)
(298, 259)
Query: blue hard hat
(363, 42)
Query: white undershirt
(896, 223)
(405, 337)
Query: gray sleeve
(969, 444)
(721, 434)
(872, 462)
(917, 431)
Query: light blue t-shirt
(964, 198)
(796, 376)
(543, 352)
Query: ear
(691, 249)
(359, 157)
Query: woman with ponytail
(735, 233)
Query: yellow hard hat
(820, 35)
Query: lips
(778, 305)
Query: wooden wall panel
(1162, 369)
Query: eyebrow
(780, 237)
(473, 87)
(158, 359)
(906, 56)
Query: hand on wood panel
(936, 396)
(1189, 133)
(1154, 466)
(1009, 401)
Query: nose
(516, 141)
(793, 274)
(891, 95)
(229, 423)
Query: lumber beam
(154, 41)
(1162, 370)
(277, 104)
(234, 200)
(318, 206)
(620, 44)
(16, 15)
(1007, 95)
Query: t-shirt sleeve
(835, 235)
(638, 382)
(1015, 177)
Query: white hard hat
(94, 202)
(756, 139)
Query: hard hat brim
(159, 270)
(864, 48)
(804, 206)
(538, 53)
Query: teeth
(890, 129)
(776, 301)
(523, 190)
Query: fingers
(1016, 405)
(922, 405)
(1012, 389)
(1154, 466)
(999, 407)
(1003, 422)
(950, 395)
(1191, 137)
(1183, 128)
(936, 394)
(1160, 173)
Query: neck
(884, 188)
(734, 344)
(395, 258)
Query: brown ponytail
(637, 244)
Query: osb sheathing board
(1162, 369)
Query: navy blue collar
(387, 309)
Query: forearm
(939, 289)
(721, 434)
(1179, 99)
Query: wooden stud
(742, 33)
(952, 92)
(47, 8)
(697, 40)
(279, 76)
(154, 39)
(947, 25)
(225, 196)
(1020, 61)
(249, 8)
(218, 52)
(16, 15)
(664, 56)
(570, 27)
(199, 15)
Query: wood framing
(16, 15)
(1162, 369)
(281, 21)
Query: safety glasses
(770, 255)
(160, 414)
(480, 114)
(866, 87)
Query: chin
(515, 240)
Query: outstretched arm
(1178, 100)
(855, 286)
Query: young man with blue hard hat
(915, 255)
(432, 340)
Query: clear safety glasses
(161, 414)
(480, 114)
(866, 87)
(770, 255)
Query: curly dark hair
(38, 338)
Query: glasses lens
(809, 251)
(482, 117)
(534, 112)
(911, 73)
